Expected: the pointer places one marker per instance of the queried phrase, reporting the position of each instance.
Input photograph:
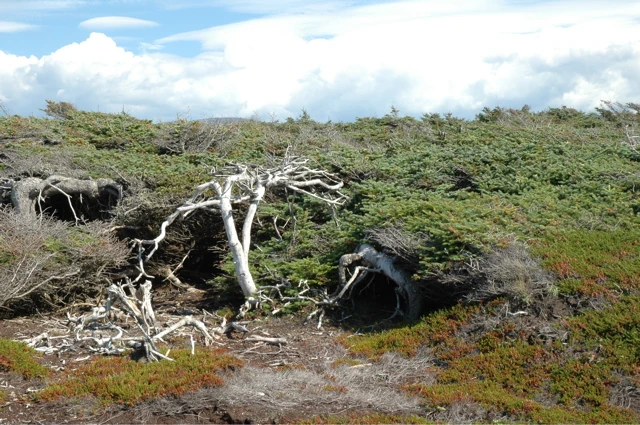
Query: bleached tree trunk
(242, 184)
(239, 251)
(26, 193)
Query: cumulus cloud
(420, 56)
(115, 22)
(8, 26)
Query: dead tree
(247, 185)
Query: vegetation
(16, 357)
(522, 229)
(121, 380)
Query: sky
(336, 59)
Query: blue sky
(57, 23)
(337, 59)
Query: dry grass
(513, 273)
(334, 389)
(404, 245)
(192, 136)
(42, 256)
(40, 164)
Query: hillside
(519, 229)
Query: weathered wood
(240, 183)
(25, 193)
(373, 261)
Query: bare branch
(246, 183)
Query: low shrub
(19, 358)
(48, 260)
(511, 272)
(121, 380)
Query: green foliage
(507, 172)
(561, 179)
(501, 402)
(436, 330)
(509, 373)
(613, 331)
(580, 380)
(110, 131)
(594, 262)
(17, 357)
(519, 368)
(120, 380)
(60, 110)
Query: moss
(594, 262)
(611, 334)
(500, 402)
(519, 368)
(345, 361)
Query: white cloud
(150, 47)
(59, 5)
(279, 6)
(263, 7)
(8, 26)
(420, 56)
(114, 22)
(22, 5)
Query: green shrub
(17, 357)
(121, 380)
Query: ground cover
(521, 229)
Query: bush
(189, 136)
(18, 358)
(60, 110)
(511, 272)
(48, 260)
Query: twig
(271, 341)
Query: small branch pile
(99, 332)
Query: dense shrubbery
(461, 203)
(466, 186)
(43, 259)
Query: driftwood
(100, 332)
(267, 340)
